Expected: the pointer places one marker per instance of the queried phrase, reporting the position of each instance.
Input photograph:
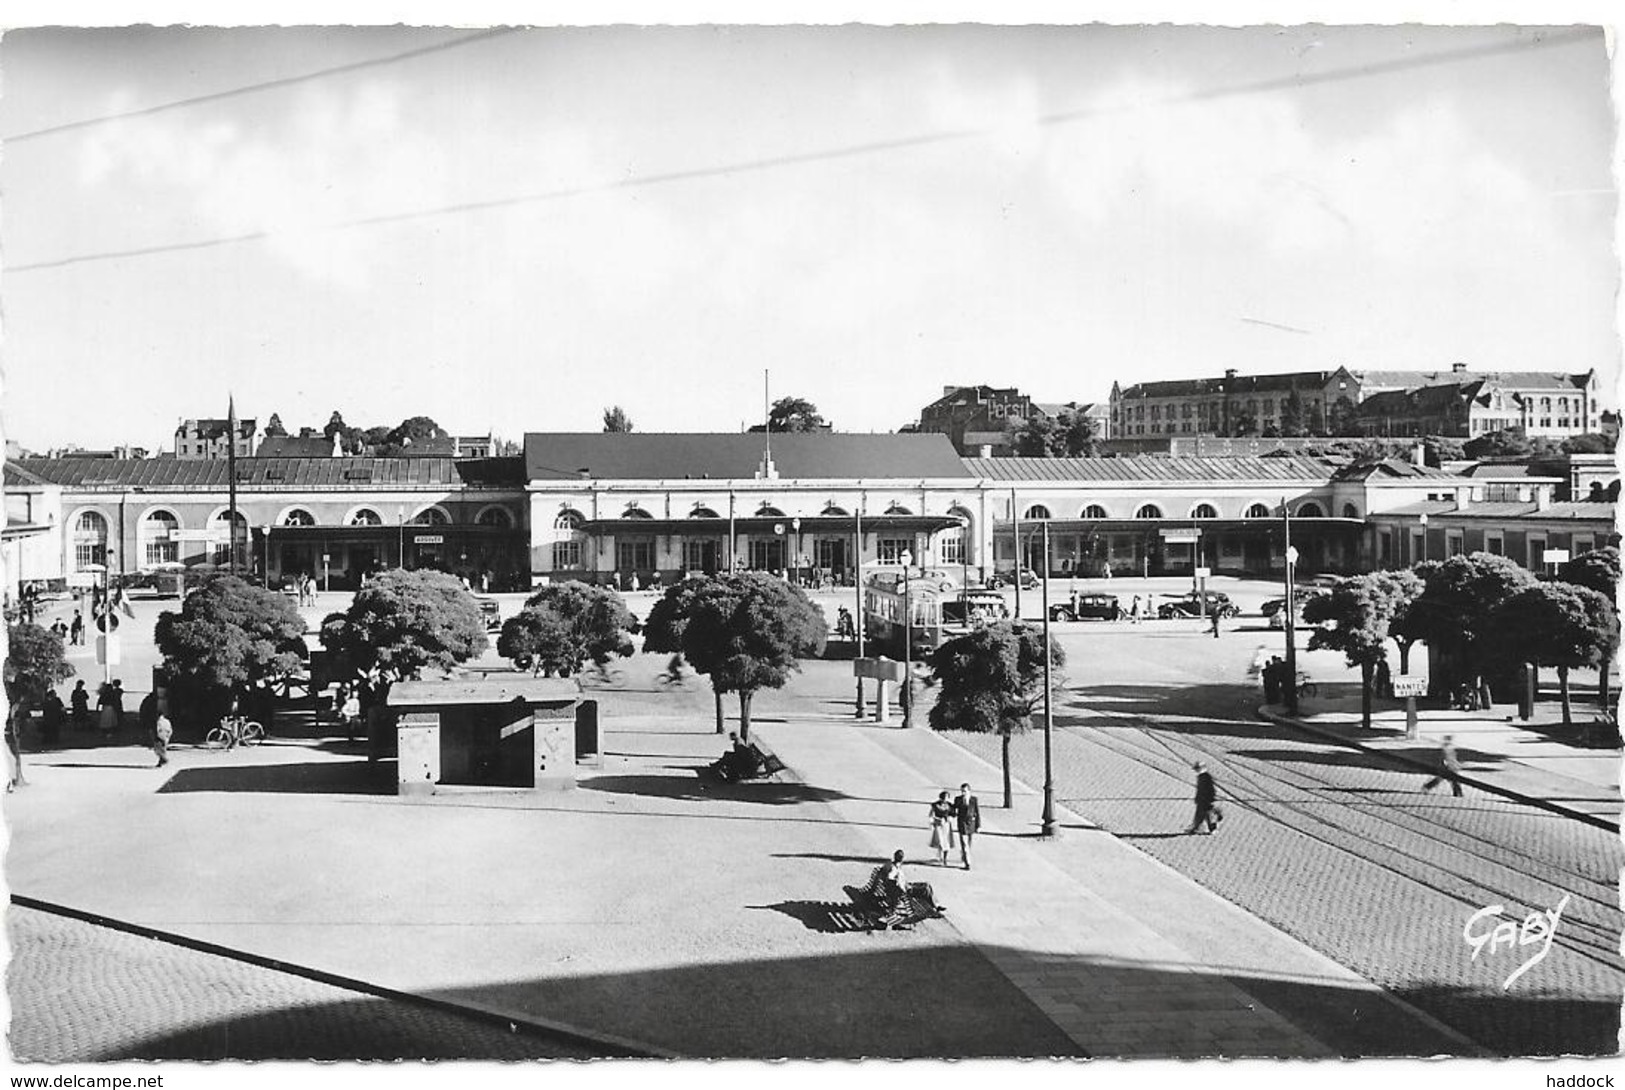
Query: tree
(403, 622)
(1598, 570)
(1558, 624)
(1361, 612)
(335, 426)
(1067, 435)
(35, 663)
(746, 631)
(1340, 418)
(1077, 434)
(274, 428)
(1590, 443)
(664, 627)
(1455, 609)
(1439, 449)
(229, 637)
(795, 414)
(1031, 438)
(991, 680)
(564, 626)
(616, 420)
(1244, 422)
(1508, 442)
(1294, 416)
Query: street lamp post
(1291, 678)
(908, 641)
(1047, 828)
(857, 606)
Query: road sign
(1291, 554)
(1175, 535)
(1555, 556)
(107, 650)
(1204, 573)
(1410, 685)
(881, 669)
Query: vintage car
(491, 612)
(1192, 605)
(1104, 607)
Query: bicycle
(1307, 687)
(602, 676)
(671, 679)
(234, 731)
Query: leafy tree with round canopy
(564, 626)
(1455, 609)
(401, 623)
(274, 428)
(795, 414)
(1558, 624)
(616, 421)
(35, 663)
(663, 628)
(747, 631)
(991, 680)
(229, 637)
(1361, 611)
(1598, 570)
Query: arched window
(159, 544)
(89, 541)
(298, 516)
(1095, 511)
(767, 510)
(1350, 511)
(497, 517)
(1310, 510)
(430, 516)
(833, 511)
(703, 513)
(1036, 511)
(366, 516)
(1204, 511)
(567, 537)
(898, 509)
(636, 512)
(1258, 511)
(222, 539)
(1148, 511)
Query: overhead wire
(801, 158)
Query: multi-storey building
(1310, 400)
(979, 419)
(212, 438)
(1466, 404)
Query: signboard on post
(1203, 573)
(1177, 535)
(1555, 556)
(1410, 685)
(428, 539)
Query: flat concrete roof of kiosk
(529, 690)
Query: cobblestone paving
(1345, 853)
(81, 992)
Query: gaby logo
(1538, 929)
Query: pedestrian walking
(942, 827)
(1383, 679)
(1207, 809)
(1215, 621)
(1449, 767)
(52, 714)
(79, 700)
(110, 707)
(968, 818)
(350, 712)
(1134, 611)
(16, 719)
(76, 630)
(162, 731)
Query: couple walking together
(962, 815)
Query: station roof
(646, 456)
(279, 474)
(1156, 468)
(483, 690)
(1557, 512)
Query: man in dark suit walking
(968, 816)
(1206, 795)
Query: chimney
(1458, 368)
(1419, 454)
(1229, 373)
(1543, 497)
(985, 450)
(338, 444)
(946, 390)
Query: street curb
(1267, 715)
(608, 1045)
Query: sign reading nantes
(428, 539)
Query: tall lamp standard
(1291, 678)
(857, 582)
(908, 640)
(1047, 828)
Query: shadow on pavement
(1389, 758)
(889, 994)
(828, 857)
(314, 778)
(825, 917)
(693, 788)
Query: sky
(511, 231)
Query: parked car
(1029, 579)
(1103, 607)
(1275, 608)
(1191, 605)
(491, 612)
